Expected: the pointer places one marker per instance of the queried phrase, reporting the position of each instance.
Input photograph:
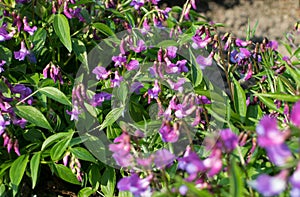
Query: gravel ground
(275, 17)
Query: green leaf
(111, 117)
(80, 50)
(56, 95)
(62, 30)
(239, 100)
(125, 194)
(5, 54)
(83, 154)
(17, 169)
(94, 176)
(86, 192)
(108, 182)
(33, 115)
(270, 104)
(166, 43)
(39, 39)
(236, 181)
(103, 29)
(53, 138)
(66, 174)
(34, 167)
(282, 97)
(58, 149)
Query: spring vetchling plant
(132, 98)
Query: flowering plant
(131, 98)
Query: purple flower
(75, 112)
(295, 182)
(4, 35)
(22, 1)
(202, 100)
(54, 73)
(119, 60)
(171, 52)
(272, 45)
(2, 62)
(213, 163)
(27, 28)
(153, 93)
(249, 72)
(16, 147)
(203, 62)
(268, 133)
(137, 4)
(132, 65)
(183, 189)
(146, 28)
(182, 66)
(169, 133)
(279, 154)
(117, 80)
(229, 139)
(20, 55)
(23, 91)
(192, 164)
(140, 47)
(99, 98)
(177, 85)
(240, 57)
(101, 73)
(241, 43)
(136, 86)
(155, 2)
(137, 186)
(201, 38)
(269, 185)
(3, 124)
(163, 158)
(295, 114)
(121, 150)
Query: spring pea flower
(171, 52)
(295, 182)
(3, 124)
(213, 164)
(22, 1)
(99, 98)
(54, 73)
(191, 163)
(268, 133)
(163, 158)
(2, 62)
(75, 112)
(101, 73)
(121, 150)
(22, 53)
(177, 86)
(132, 65)
(241, 43)
(23, 92)
(153, 93)
(270, 185)
(137, 186)
(136, 86)
(229, 139)
(272, 45)
(139, 47)
(4, 35)
(204, 62)
(169, 133)
(295, 114)
(117, 80)
(279, 154)
(27, 28)
(119, 60)
(137, 4)
(202, 38)
(183, 189)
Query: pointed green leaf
(66, 174)
(62, 30)
(56, 95)
(53, 138)
(17, 169)
(103, 29)
(239, 100)
(34, 167)
(236, 181)
(282, 97)
(108, 182)
(58, 149)
(80, 50)
(111, 117)
(33, 115)
(83, 154)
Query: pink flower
(203, 62)
(295, 114)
